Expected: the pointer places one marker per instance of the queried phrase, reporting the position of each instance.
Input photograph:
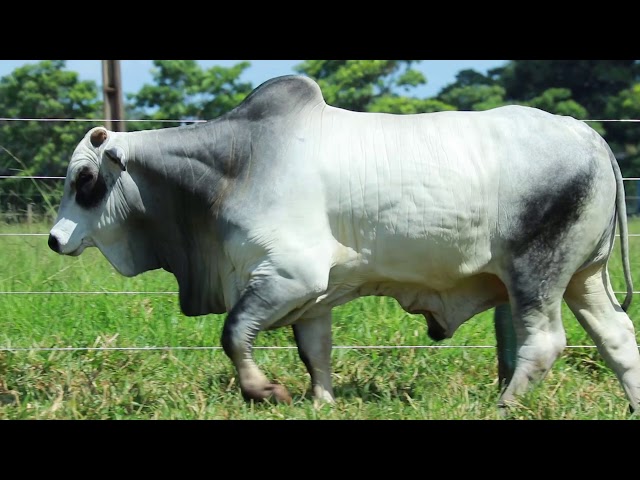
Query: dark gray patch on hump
(536, 244)
(278, 96)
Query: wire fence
(208, 348)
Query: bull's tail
(621, 209)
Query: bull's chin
(77, 251)
(129, 266)
(125, 270)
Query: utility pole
(112, 88)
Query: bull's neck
(182, 174)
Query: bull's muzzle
(54, 244)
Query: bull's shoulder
(279, 96)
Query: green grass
(447, 383)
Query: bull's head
(99, 199)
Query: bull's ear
(98, 137)
(116, 155)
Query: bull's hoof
(280, 394)
(271, 392)
(506, 406)
(503, 410)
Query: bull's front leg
(254, 312)
(261, 305)
(313, 337)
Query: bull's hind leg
(540, 339)
(591, 299)
(506, 344)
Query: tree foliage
(473, 90)
(591, 82)
(182, 90)
(474, 97)
(42, 90)
(371, 85)
(468, 78)
(625, 136)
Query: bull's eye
(90, 188)
(84, 180)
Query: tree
(407, 105)
(591, 82)
(474, 97)
(468, 78)
(473, 91)
(626, 136)
(370, 85)
(44, 90)
(184, 91)
(41, 90)
(558, 101)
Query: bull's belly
(446, 281)
(444, 310)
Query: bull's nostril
(53, 244)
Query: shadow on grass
(8, 398)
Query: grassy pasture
(370, 383)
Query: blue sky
(136, 73)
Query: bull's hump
(280, 96)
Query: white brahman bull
(285, 207)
